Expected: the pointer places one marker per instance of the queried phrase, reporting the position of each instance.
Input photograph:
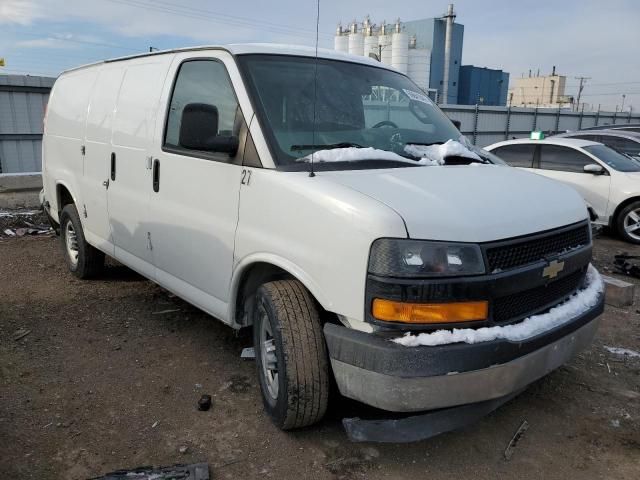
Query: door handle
(156, 175)
(113, 166)
(105, 184)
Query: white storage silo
(400, 51)
(384, 44)
(341, 41)
(419, 66)
(371, 45)
(356, 40)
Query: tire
(628, 217)
(83, 260)
(285, 316)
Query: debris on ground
(248, 353)
(18, 223)
(204, 403)
(162, 312)
(183, 449)
(20, 334)
(624, 266)
(196, 471)
(509, 451)
(625, 352)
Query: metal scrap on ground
(508, 453)
(196, 471)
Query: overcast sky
(591, 38)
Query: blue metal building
(481, 85)
(430, 34)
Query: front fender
(288, 266)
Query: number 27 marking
(246, 177)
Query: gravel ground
(106, 374)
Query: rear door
(98, 149)
(194, 204)
(567, 165)
(130, 161)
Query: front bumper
(371, 369)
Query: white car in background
(609, 181)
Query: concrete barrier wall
(20, 190)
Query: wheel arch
(613, 221)
(64, 196)
(256, 270)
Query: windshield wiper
(331, 146)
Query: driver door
(195, 194)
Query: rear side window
(564, 159)
(201, 82)
(621, 144)
(517, 155)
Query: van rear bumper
(371, 369)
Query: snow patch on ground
(578, 304)
(625, 352)
(436, 154)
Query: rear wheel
(628, 223)
(291, 355)
(83, 260)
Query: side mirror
(199, 130)
(457, 124)
(594, 169)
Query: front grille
(526, 251)
(519, 305)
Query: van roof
(248, 48)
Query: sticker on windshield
(418, 97)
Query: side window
(554, 157)
(517, 155)
(621, 144)
(204, 85)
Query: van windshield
(367, 113)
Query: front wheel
(628, 223)
(291, 355)
(83, 260)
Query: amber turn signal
(391, 311)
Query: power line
(206, 15)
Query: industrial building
(481, 85)
(429, 51)
(23, 100)
(546, 91)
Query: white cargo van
(329, 204)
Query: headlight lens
(417, 258)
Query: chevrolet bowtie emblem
(553, 269)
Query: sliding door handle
(156, 175)
(113, 166)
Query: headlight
(417, 258)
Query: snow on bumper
(390, 376)
(579, 303)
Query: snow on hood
(351, 154)
(578, 304)
(436, 154)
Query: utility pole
(580, 88)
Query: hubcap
(632, 224)
(71, 242)
(268, 354)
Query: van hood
(475, 203)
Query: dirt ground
(106, 374)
